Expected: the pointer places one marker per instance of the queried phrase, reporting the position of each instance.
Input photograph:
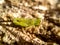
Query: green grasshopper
(26, 22)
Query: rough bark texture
(47, 33)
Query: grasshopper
(26, 22)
